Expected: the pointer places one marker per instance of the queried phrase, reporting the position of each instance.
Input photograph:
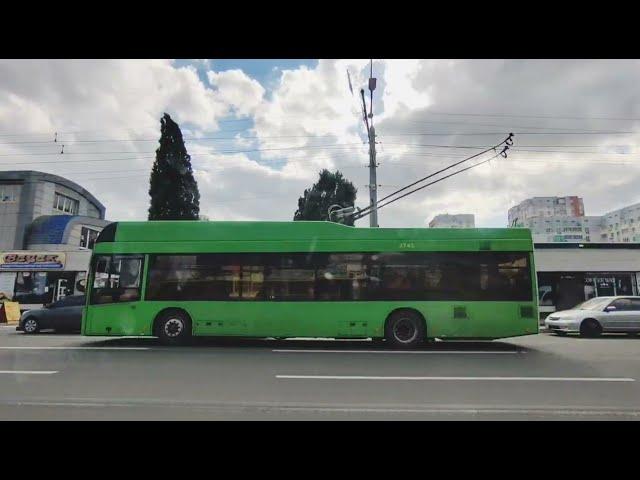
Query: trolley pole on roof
(371, 132)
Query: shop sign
(32, 261)
(603, 282)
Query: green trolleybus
(177, 279)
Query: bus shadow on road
(313, 344)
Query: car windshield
(597, 303)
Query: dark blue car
(65, 315)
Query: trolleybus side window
(116, 278)
(435, 276)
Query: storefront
(37, 278)
(570, 274)
(563, 290)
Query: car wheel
(405, 329)
(173, 327)
(30, 325)
(590, 328)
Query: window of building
(42, 287)
(7, 194)
(88, 237)
(65, 204)
(32, 287)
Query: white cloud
(401, 92)
(309, 120)
(236, 89)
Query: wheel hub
(173, 327)
(30, 326)
(405, 331)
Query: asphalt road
(69, 377)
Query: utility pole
(373, 180)
(371, 132)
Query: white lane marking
(29, 372)
(516, 379)
(75, 348)
(442, 352)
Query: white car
(598, 315)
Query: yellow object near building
(10, 312)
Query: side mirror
(610, 308)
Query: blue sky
(267, 72)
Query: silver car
(598, 315)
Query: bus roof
(193, 231)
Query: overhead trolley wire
(307, 147)
(530, 116)
(357, 217)
(507, 142)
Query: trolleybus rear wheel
(405, 329)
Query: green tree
(331, 189)
(173, 189)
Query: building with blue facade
(48, 226)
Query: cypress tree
(173, 189)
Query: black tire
(404, 329)
(173, 327)
(590, 328)
(30, 325)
